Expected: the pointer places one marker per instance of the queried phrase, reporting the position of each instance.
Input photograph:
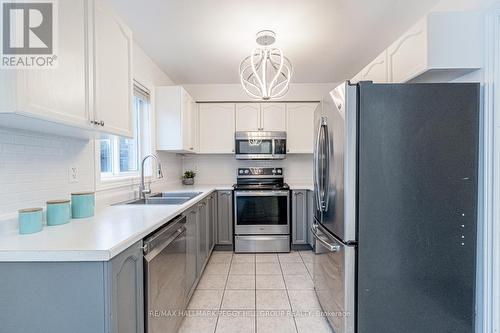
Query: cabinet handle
(101, 123)
(192, 148)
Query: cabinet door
(248, 117)
(211, 213)
(191, 250)
(188, 110)
(202, 236)
(126, 290)
(273, 117)
(377, 71)
(61, 93)
(113, 72)
(300, 127)
(310, 217)
(216, 124)
(225, 217)
(407, 56)
(299, 217)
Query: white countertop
(301, 186)
(100, 238)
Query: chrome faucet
(142, 190)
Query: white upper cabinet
(260, 117)
(440, 47)
(273, 117)
(216, 128)
(61, 93)
(300, 127)
(176, 121)
(41, 99)
(112, 72)
(248, 117)
(89, 91)
(377, 71)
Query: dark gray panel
(299, 217)
(224, 218)
(55, 297)
(418, 157)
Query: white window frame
(116, 179)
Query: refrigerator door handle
(316, 167)
(326, 170)
(330, 247)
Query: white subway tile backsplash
(34, 168)
(221, 169)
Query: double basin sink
(166, 198)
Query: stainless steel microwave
(260, 145)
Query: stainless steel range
(262, 211)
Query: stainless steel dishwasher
(165, 276)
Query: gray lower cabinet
(310, 217)
(212, 218)
(300, 232)
(126, 293)
(191, 249)
(202, 253)
(225, 217)
(77, 297)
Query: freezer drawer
(334, 280)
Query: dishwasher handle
(151, 253)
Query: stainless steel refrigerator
(395, 195)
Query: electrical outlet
(73, 174)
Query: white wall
(462, 5)
(34, 167)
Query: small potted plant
(188, 178)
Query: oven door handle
(262, 193)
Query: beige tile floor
(256, 293)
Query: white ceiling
(203, 41)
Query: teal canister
(58, 212)
(30, 220)
(82, 204)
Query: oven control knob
(279, 170)
(246, 171)
(241, 171)
(274, 170)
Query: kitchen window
(121, 157)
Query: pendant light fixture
(266, 73)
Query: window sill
(111, 183)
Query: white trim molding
(489, 208)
